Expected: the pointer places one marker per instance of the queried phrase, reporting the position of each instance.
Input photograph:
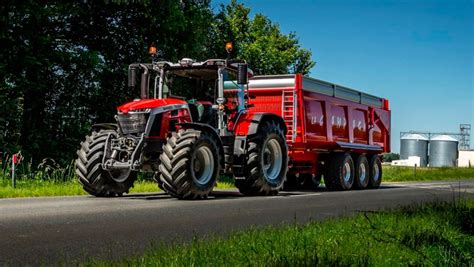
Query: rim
(346, 172)
(362, 173)
(272, 159)
(376, 172)
(203, 165)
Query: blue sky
(418, 54)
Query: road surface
(67, 230)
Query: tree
(389, 157)
(63, 64)
(259, 41)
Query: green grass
(404, 174)
(61, 182)
(41, 188)
(438, 234)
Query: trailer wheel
(340, 173)
(361, 172)
(189, 164)
(375, 172)
(95, 180)
(267, 161)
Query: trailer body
(322, 118)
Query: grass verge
(438, 234)
(406, 174)
(45, 188)
(34, 187)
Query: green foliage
(64, 63)
(259, 41)
(389, 157)
(437, 234)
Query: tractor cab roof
(207, 70)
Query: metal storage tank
(414, 145)
(443, 151)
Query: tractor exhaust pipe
(132, 77)
(145, 82)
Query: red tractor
(187, 141)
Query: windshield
(195, 84)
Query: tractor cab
(199, 85)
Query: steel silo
(443, 151)
(414, 145)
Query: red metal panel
(148, 103)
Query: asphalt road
(66, 230)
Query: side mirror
(242, 71)
(132, 77)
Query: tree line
(63, 64)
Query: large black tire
(266, 161)
(95, 180)
(361, 172)
(340, 175)
(190, 164)
(375, 169)
(156, 178)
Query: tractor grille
(132, 122)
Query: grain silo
(414, 145)
(443, 151)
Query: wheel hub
(362, 173)
(203, 165)
(346, 172)
(376, 172)
(272, 159)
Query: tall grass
(48, 178)
(439, 234)
(51, 179)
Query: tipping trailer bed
(322, 117)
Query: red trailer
(331, 129)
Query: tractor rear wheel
(190, 164)
(266, 161)
(340, 175)
(94, 179)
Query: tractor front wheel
(94, 179)
(190, 164)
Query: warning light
(229, 46)
(152, 49)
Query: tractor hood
(141, 104)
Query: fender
(248, 123)
(246, 127)
(212, 131)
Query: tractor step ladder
(288, 111)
